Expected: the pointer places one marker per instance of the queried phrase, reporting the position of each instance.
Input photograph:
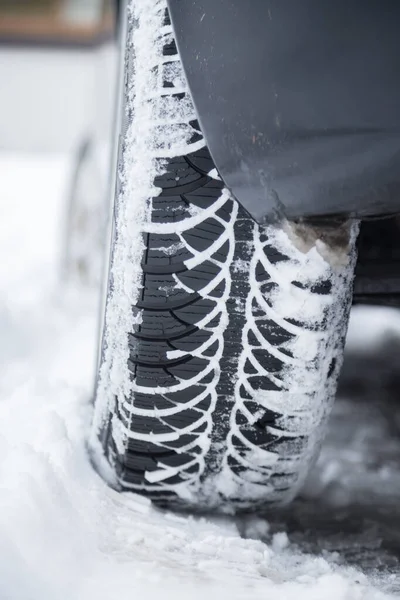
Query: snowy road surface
(65, 536)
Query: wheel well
(377, 279)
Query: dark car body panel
(299, 101)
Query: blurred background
(58, 99)
(58, 68)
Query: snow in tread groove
(159, 129)
(63, 533)
(144, 139)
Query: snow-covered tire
(223, 339)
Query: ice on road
(64, 535)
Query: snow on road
(65, 535)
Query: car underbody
(377, 278)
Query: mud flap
(298, 101)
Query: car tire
(223, 338)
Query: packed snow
(65, 535)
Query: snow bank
(63, 533)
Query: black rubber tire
(228, 394)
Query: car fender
(298, 101)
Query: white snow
(144, 144)
(367, 328)
(159, 128)
(63, 533)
